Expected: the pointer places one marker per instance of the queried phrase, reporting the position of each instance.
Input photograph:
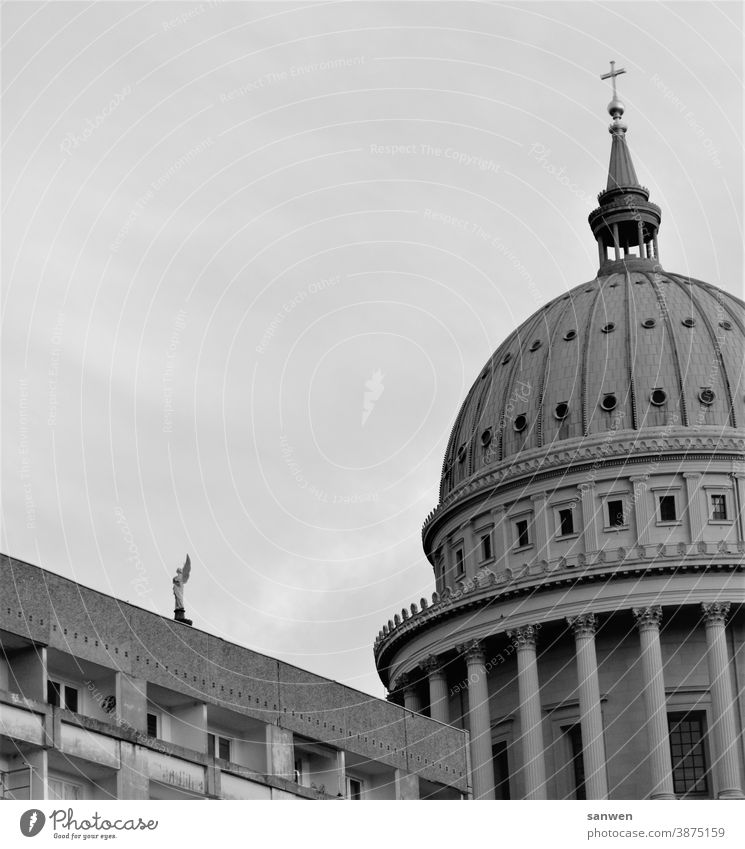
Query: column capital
(539, 496)
(692, 475)
(583, 625)
(431, 665)
(716, 612)
(648, 618)
(586, 486)
(523, 638)
(404, 682)
(639, 479)
(473, 650)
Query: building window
(719, 508)
(616, 518)
(501, 770)
(566, 522)
(521, 533)
(298, 771)
(62, 695)
(574, 736)
(667, 508)
(354, 788)
(486, 547)
(218, 746)
(152, 725)
(688, 753)
(63, 790)
(460, 567)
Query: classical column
(722, 704)
(591, 719)
(531, 721)
(641, 509)
(696, 518)
(439, 696)
(589, 519)
(658, 736)
(540, 524)
(479, 721)
(411, 695)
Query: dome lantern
(625, 224)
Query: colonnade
(722, 724)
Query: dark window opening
(688, 753)
(224, 748)
(501, 770)
(574, 733)
(459, 563)
(667, 508)
(355, 788)
(523, 538)
(71, 699)
(719, 508)
(566, 522)
(54, 693)
(486, 547)
(152, 725)
(211, 745)
(615, 514)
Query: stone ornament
(583, 625)
(715, 612)
(648, 617)
(523, 638)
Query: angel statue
(182, 576)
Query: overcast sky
(255, 255)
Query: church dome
(635, 349)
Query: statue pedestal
(178, 615)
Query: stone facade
(145, 707)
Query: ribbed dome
(658, 343)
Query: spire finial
(615, 107)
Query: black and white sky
(256, 253)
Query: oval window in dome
(706, 396)
(689, 322)
(462, 453)
(562, 410)
(506, 358)
(649, 322)
(609, 402)
(485, 374)
(609, 327)
(725, 325)
(520, 423)
(486, 437)
(658, 397)
(536, 345)
(570, 334)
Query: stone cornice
(620, 563)
(595, 452)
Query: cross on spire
(612, 74)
